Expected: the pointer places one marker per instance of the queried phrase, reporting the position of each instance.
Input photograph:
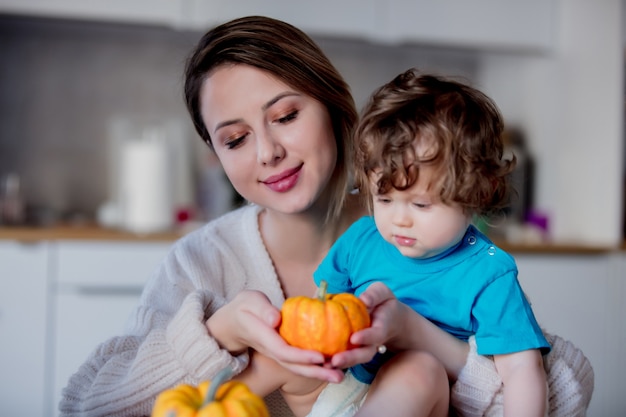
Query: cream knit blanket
(478, 391)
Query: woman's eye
(287, 118)
(232, 143)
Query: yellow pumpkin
(323, 323)
(210, 399)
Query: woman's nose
(269, 150)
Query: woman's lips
(284, 181)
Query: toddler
(429, 159)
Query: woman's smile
(284, 181)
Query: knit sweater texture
(479, 392)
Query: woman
(279, 118)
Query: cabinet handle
(107, 290)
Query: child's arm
(525, 388)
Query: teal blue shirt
(470, 289)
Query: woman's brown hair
(291, 56)
(461, 127)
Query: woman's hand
(250, 321)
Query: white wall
(570, 103)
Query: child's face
(415, 221)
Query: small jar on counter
(12, 210)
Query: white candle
(145, 192)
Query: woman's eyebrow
(226, 123)
(266, 106)
(279, 97)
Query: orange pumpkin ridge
(324, 323)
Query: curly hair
(462, 129)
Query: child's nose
(402, 216)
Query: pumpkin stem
(321, 291)
(221, 377)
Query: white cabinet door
(166, 12)
(109, 264)
(527, 24)
(351, 18)
(478, 24)
(98, 284)
(580, 297)
(84, 319)
(507, 24)
(23, 311)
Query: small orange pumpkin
(210, 399)
(324, 323)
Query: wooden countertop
(89, 231)
(81, 232)
(555, 248)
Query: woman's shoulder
(228, 245)
(240, 223)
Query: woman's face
(275, 144)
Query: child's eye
(287, 118)
(421, 205)
(383, 200)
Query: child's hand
(386, 314)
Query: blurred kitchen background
(101, 171)
(80, 80)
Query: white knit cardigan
(166, 343)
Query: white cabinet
(85, 319)
(97, 286)
(527, 24)
(23, 314)
(580, 297)
(165, 12)
(480, 23)
(110, 264)
(58, 300)
(350, 18)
